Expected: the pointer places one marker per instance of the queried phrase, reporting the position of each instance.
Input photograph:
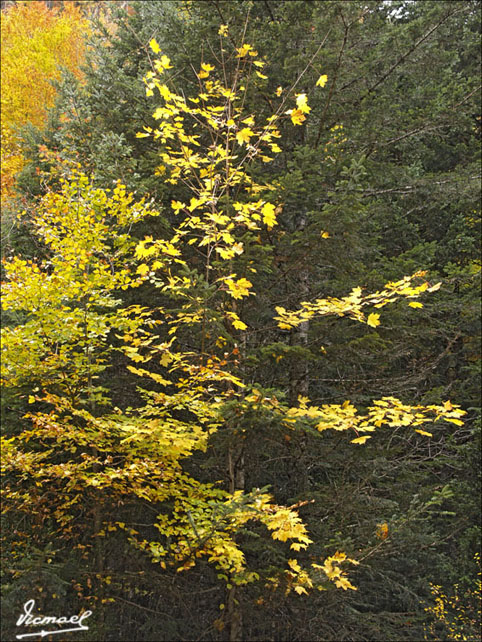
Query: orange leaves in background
(382, 530)
(36, 41)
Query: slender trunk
(237, 481)
(300, 374)
(235, 617)
(97, 508)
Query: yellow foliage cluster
(459, 612)
(352, 304)
(36, 41)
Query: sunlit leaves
(353, 304)
(387, 411)
(238, 289)
(87, 264)
(269, 215)
(373, 320)
(154, 46)
(322, 80)
(333, 571)
(205, 70)
(360, 440)
(297, 116)
(302, 103)
(245, 50)
(244, 135)
(36, 42)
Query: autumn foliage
(36, 43)
(138, 328)
(65, 343)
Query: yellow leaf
(244, 135)
(223, 30)
(164, 91)
(224, 253)
(300, 590)
(360, 440)
(345, 584)
(425, 433)
(324, 235)
(297, 117)
(165, 62)
(373, 320)
(269, 217)
(284, 326)
(195, 202)
(243, 51)
(302, 103)
(279, 91)
(258, 73)
(239, 325)
(205, 69)
(239, 288)
(177, 205)
(169, 249)
(322, 80)
(382, 530)
(31, 399)
(415, 304)
(143, 269)
(154, 46)
(457, 422)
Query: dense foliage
(36, 43)
(240, 353)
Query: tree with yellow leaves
(36, 43)
(90, 456)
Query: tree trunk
(237, 481)
(300, 374)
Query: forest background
(229, 410)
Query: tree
(66, 309)
(36, 42)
